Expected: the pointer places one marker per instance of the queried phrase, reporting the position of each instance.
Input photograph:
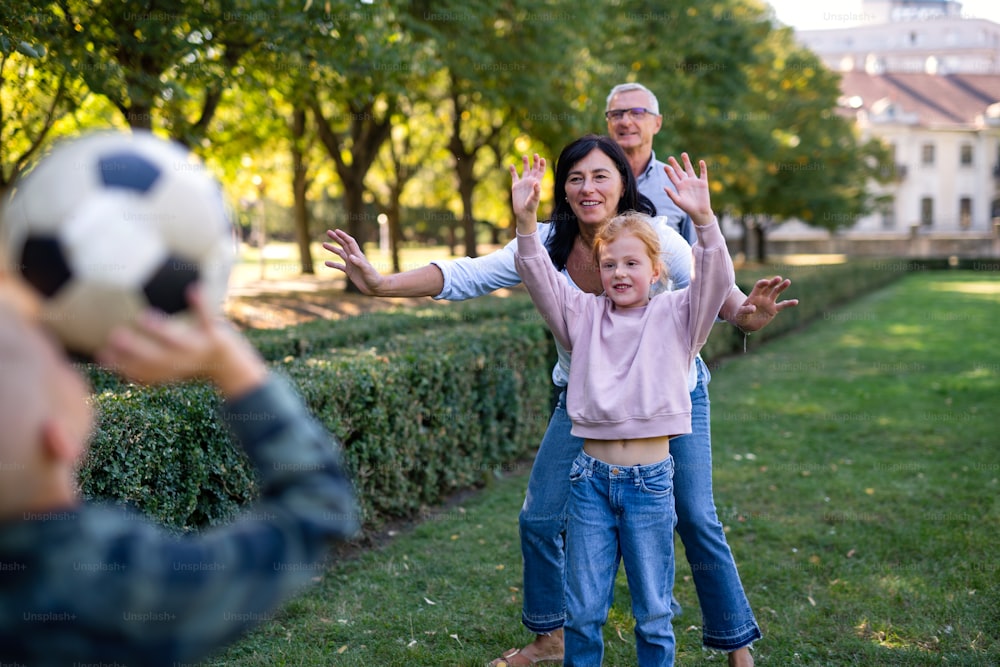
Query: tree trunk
(395, 228)
(300, 184)
(744, 221)
(368, 133)
(354, 206)
(761, 232)
(139, 116)
(466, 184)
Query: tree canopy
(392, 107)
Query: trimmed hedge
(367, 328)
(162, 451)
(819, 289)
(425, 401)
(419, 416)
(424, 416)
(318, 336)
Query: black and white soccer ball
(110, 224)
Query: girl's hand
(526, 191)
(692, 194)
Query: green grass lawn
(857, 471)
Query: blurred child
(82, 583)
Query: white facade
(926, 80)
(945, 178)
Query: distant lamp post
(383, 233)
(260, 223)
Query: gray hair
(628, 87)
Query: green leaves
(458, 76)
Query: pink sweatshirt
(630, 366)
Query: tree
(792, 155)
(491, 83)
(36, 90)
(300, 185)
(692, 54)
(165, 68)
(363, 59)
(412, 144)
(266, 122)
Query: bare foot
(741, 657)
(545, 649)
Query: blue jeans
(619, 514)
(543, 525)
(727, 621)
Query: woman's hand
(353, 262)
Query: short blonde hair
(639, 225)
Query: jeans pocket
(577, 472)
(661, 484)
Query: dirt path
(273, 304)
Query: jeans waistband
(604, 470)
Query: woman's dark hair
(565, 226)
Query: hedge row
(425, 401)
(163, 451)
(419, 416)
(310, 337)
(820, 289)
(318, 336)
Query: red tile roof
(936, 99)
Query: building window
(965, 155)
(927, 154)
(927, 211)
(965, 212)
(887, 210)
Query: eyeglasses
(635, 113)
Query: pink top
(630, 366)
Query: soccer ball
(111, 224)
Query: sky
(816, 14)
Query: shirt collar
(648, 171)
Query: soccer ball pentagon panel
(110, 224)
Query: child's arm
(549, 291)
(525, 192)
(211, 586)
(713, 276)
